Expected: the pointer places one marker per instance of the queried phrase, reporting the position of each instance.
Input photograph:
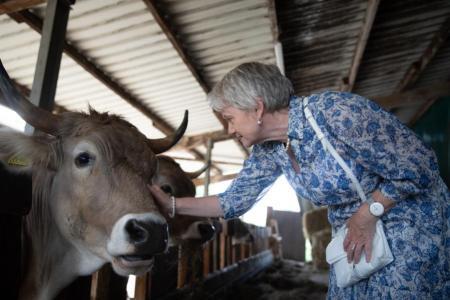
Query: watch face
(376, 209)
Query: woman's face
(243, 124)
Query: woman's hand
(361, 229)
(162, 199)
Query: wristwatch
(375, 208)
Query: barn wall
(290, 227)
(434, 129)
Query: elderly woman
(395, 169)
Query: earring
(259, 122)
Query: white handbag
(349, 273)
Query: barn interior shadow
(15, 191)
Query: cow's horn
(164, 144)
(197, 173)
(37, 117)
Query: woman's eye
(83, 159)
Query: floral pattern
(383, 154)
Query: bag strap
(327, 146)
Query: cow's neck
(46, 274)
(51, 262)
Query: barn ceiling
(150, 60)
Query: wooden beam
(416, 68)
(222, 162)
(10, 6)
(50, 54)
(193, 141)
(214, 179)
(414, 96)
(349, 81)
(155, 8)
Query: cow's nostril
(206, 231)
(148, 237)
(137, 231)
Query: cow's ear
(20, 152)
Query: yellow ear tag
(17, 161)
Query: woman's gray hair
(248, 82)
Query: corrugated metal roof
(401, 33)
(222, 34)
(319, 39)
(122, 39)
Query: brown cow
(90, 202)
(174, 181)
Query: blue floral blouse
(383, 154)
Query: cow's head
(89, 183)
(174, 181)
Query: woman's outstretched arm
(192, 206)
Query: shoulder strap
(328, 147)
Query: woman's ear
(260, 108)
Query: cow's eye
(167, 189)
(83, 159)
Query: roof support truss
(10, 6)
(349, 81)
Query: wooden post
(212, 245)
(206, 259)
(142, 287)
(228, 250)
(100, 283)
(215, 251)
(182, 268)
(222, 258)
(242, 252)
(210, 146)
(222, 241)
(233, 254)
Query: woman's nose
(231, 129)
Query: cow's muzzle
(137, 237)
(148, 237)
